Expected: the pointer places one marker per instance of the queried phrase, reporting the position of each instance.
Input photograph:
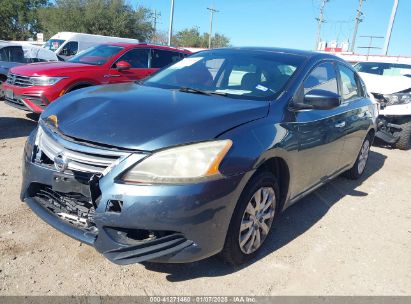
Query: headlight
(397, 98)
(183, 164)
(44, 80)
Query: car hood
(52, 68)
(385, 84)
(138, 117)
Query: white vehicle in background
(68, 44)
(390, 84)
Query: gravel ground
(347, 238)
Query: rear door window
(163, 58)
(349, 87)
(13, 54)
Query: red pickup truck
(32, 87)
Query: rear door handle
(340, 124)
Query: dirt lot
(347, 238)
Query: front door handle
(111, 75)
(340, 124)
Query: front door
(138, 59)
(320, 132)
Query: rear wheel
(252, 219)
(361, 162)
(404, 141)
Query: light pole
(170, 28)
(390, 26)
(212, 11)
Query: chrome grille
(78, 157)
(19, 80)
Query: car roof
(6, 43)
(385, 62)
(155, 46)
(308, 54)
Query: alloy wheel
(257, 220)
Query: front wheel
(252, 219)
(361, 162)
(404, 140)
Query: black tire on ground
(33, 116)
(355, 172)
(232, 252)
(2, 79)
(404, 141)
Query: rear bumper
(185, 223)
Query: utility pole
(357, 22)
(369, 47)
(156, 15)
(390, 26)
(320, 20)
(170, 28)
(212, 11)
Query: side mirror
(123, 66)
(322, 99)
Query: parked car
(33, 87)
(13, 54)
(390, 84)
(201, 157)
(69, 44)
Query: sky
(290, 23)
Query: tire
(404, 141)
(2, 79)
(361, 162)
(265, 184)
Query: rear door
(139, 59)
(162, 58)
(356, 113)
(320, 137)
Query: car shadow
(292, 223)
(13, 127)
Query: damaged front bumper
(387, 132)
(129, 223)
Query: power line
(370, 46)
(357, 22)
(212, 11)
(320, 20)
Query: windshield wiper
(191, 90)
(197, 91)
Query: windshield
(259, 75)
(53, 44)
(384, 69)
(97, 55)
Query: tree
(102, 17)
(191, 37)
(19, 18)
(219, 40)
(160, 37)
